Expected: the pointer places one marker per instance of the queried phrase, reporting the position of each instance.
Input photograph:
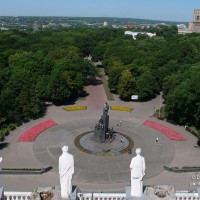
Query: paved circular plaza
(92, 169)
(99, 173)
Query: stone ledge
(182, 170)
(26, 171)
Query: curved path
(99, 173)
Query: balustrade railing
(17, 195)
(101, 196)
(187, 196)
(97, 196)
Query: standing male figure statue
(137, 167)
(66, 169)
(105, 108)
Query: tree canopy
(49, 65)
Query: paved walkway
(90, 173)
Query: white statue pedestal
(198, 190)
(1, 193)
(72, 196)
(129, 197)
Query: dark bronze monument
(104, 140)
(102, 131)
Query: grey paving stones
(103, 169)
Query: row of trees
(168, 62)
(49, 65)
(39, 67)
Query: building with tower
(195, 25)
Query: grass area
(105, 154)
(160, 112)
(192, 128)
(109, 95)
(75, 108)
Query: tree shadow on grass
(4, 145)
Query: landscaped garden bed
(171, 134)
(31, 134)
(121, 108)
(75, 108)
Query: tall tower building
(195, 25)
(196, 16)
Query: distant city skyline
(167, 10)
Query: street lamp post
(161, 93)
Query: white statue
(137, 167)
(66, 169)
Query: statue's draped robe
(66, 169)
(137, 167)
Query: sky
(167, 10)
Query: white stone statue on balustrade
(66, 170)
(137, 167)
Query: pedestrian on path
(157, 139)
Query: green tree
(28, 103)
(114, 72)
(126, 85)
(146, 86)
(73, 52)
(170, 83)
(60, 86)
(181, 105)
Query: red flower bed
(32, 133)
(171, 134)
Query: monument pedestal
(198, 190)
(129, 197)
(1, 193)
